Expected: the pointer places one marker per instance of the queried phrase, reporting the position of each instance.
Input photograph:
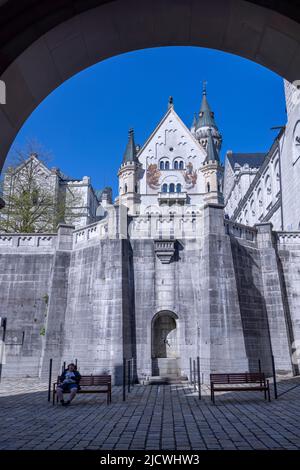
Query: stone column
(273, 297)
(57, 302)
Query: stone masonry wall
(25, 274)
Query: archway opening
(165, 353)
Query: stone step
(167, 379)
(165, 366)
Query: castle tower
(205, 123)
(129, 175)
(212, 171)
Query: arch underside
(43, 45)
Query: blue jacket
(76, 374)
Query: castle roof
(254, 160)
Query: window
(208, 187)
(176, 166)
(181, 165)
(172, 188)
(125, 188)
(161, 166)
(178, 188)
(259, 197)
(167, 165)
(268, 185)
(165, 188)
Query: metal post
(259, 366)
(129, 375)
(194, 370)
(124, 379)
(132, 372)
(191, 372)
(63, 367)
(198, 374)
(274, 377)
(3, 321)
(50, 379)
(76, 363)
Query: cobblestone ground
(153, 417)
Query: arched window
(208, 187)
(172, 188)
(167, 165)
(268, 187)
(165, 188)
(125, 188)
(178, 188)
(175, 165)
(136, 188)
(259, 198)
(161, 166)
(181, 165)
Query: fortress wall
(25, 273)
(93, 322)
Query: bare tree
(34, 201)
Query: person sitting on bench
(69, 382)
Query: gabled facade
(168, 170)
(76, 196)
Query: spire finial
(170, 102)
(204, 87)
(130, 152)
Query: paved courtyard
(153, 417)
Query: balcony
(172, 198)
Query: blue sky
(85, 122)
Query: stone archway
(42, 44)
(165, 353)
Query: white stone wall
(290, 164)
(79, 195)
(255, 196)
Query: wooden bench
(249, 382)
(100, 384)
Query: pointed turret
(129, 176)
(212, 171)
(206, 122)
(212, 151)
(130, 152)
(194, 125)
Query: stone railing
(28, 240)
(287, 238)
(95, 231)
(240, 231)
